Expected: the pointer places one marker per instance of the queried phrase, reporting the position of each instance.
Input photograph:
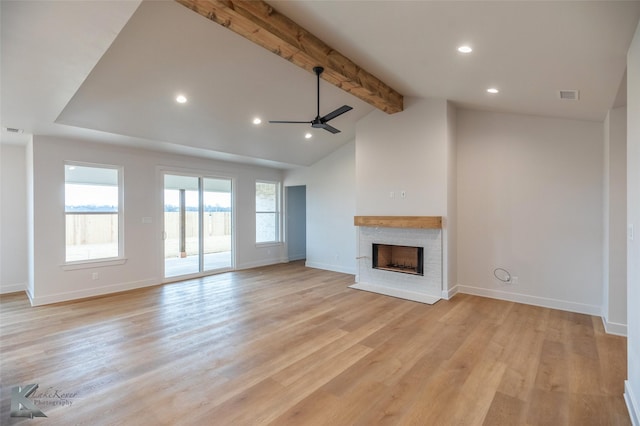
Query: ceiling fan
(321, 122)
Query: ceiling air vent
(569, 95)
(13, 130)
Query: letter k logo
(21, 406)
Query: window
(267, 212)
(92, 211)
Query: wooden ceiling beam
(265, 26)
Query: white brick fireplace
(409, 231)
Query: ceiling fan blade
(329, 128)
(290, 122)
(334, 114)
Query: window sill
(94, 263)
(270, 244)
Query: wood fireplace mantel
(421, 222)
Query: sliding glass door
(216, 200)
(197, 225)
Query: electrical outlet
(95, 276)
(392, 195)
(403, 194)
(514, 280)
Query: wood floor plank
(612, 354)
(313, 410)
(396, 401)
(443, 389)
(553, 368)
(290, 345)
(504, 410)
(546, 407)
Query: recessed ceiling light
(307, 136)
(257, 120)
(465, 49)
(492, 90)
(181, 99)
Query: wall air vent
(569, 95)
(13, 130)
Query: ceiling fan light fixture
(465, 49)
(181, 99)
(308, 135)
(492, 90)
(257, 121)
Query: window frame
(102, 261)
(277, 212)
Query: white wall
(614, 303)
(632, 386)
(530, 196)
(406, 151)
(13, 218)
(142, 198)
(331, 235)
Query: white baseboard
(633, 405)
(259, 263)
(29, 295)
(12, 288)
(448, 294)
(299, 256)
(614, 327)
(91, 292)
(544, 302)
(330, 267)
(395, 292)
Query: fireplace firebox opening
(404, 259)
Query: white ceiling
(110, 71)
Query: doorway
(296, 198)
(198, 226)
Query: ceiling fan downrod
(318, 70)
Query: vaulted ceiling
(110, 71)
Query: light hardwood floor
(289, 345)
